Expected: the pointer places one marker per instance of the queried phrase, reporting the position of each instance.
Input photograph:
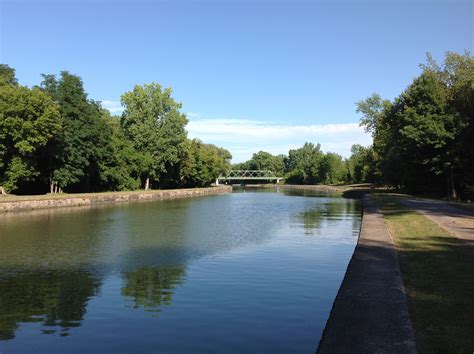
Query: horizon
(243, 86)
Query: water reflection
(88, 271)
(330, 213)
(55, 300)
(152, 287)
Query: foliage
(152, 122)
(84, 141)
(29, 120)
(424, 139)
(360, 166)
(7, 76)
(305, 165)
(203, 164)
(53, 137)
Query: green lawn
(438, 272)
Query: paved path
(457, 221)
(370, 313)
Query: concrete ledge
(68, 200)
(370, 313)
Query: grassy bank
(438, 272)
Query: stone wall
(69, 200)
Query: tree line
(305, 165)
(423, 140)
(53, 138)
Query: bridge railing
(249, 174)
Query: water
(252, 271)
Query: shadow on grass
(439, 281)
(438, 273)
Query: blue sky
(252, 75)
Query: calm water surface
(250, 271)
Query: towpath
(459, 222)
(370, 313)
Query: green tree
(7, 76)
(122, 167)
(423, 139)
(29, 120)
(153, 123)
(302, 164)
(361, 165)
(263, 160)
(332, 169)
(85, 137)
(203, 163)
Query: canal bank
(23, 203)
(370, 313)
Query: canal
(250, 271)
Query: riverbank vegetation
(437, 273)
(53, 138)
(423, 140)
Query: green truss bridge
(246, 176)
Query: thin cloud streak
(245, 137)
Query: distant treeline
(54, 138)
(423, 139)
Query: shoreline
(313, 187)
(48, 201)
(370, 311)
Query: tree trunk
(2, 191)
(454, 195)
(147, 184)
(51, 186)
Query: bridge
(241, 176)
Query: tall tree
(85, 137)
(423, 139)
(153, 123)
(29, 119)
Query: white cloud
(192, 115)
(113, 106)
(245, 137)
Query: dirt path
(458, 222)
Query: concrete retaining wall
(57, 201)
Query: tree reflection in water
(53, 299)
(312, 218)
(152, 287)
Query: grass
(438, 272)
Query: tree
(7, 76)
(302, 164)
(332, 169)
(361, 165)
(203, 163)
(29, 120)
(85, 137)
(263, 160)
(423, 140)
(153, 123)
(122, 168)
